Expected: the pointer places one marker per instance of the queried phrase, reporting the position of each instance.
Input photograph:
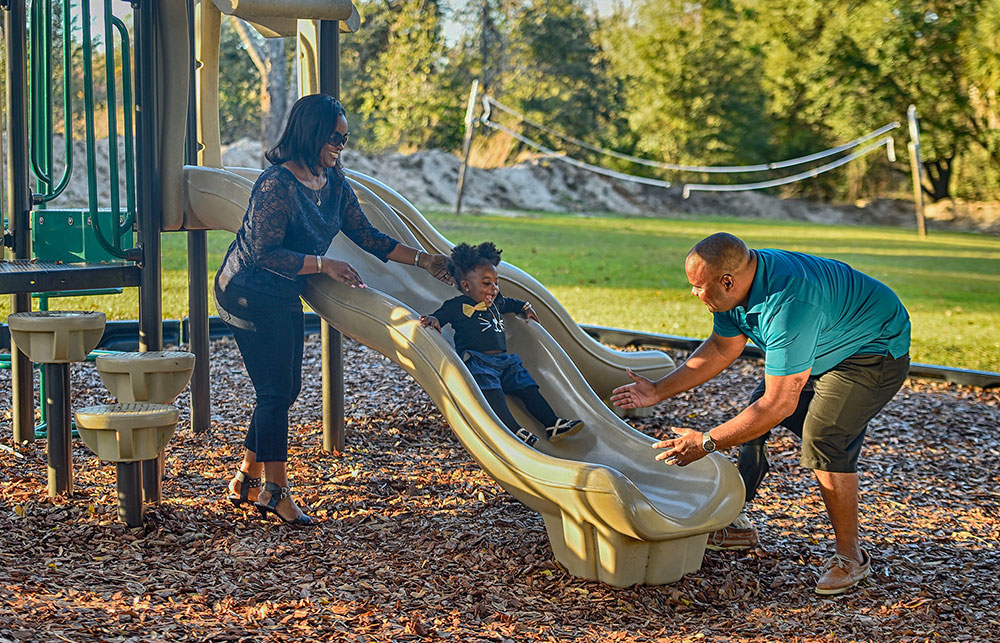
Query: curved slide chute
(602, 367)
(611, 511)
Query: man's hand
(682, 450)
(641, 392)
(430, 320)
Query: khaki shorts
(835, 407)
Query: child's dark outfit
(481, 342)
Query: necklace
(319, 201)
(497, 318)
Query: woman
(297, 206)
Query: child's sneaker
(563, 429)
(526, 436)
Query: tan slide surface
(611, 511)
(601, 366)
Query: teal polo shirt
(805, 311)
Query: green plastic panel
(66, 235)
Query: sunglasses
(338, 139)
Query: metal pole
(470, 128)
(334, 439)
(148, 215)
(130, 493)
(201, 394)
(18, 206)
(329, 58)
(916, 169)
(332, 342)
(60, 429)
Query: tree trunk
(274, 86)
(939, 174)
(273, 94)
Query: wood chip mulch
(418, 544)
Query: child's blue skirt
(502, 371)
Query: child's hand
(529, 313)
(430, 320)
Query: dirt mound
(429, 179)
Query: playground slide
(611, 511)
(602, 367)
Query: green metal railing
(42, 74)
(60, 234)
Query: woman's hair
(311, 122)
(465, 258)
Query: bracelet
(416, 258)
(319, 264)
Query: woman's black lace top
(283, 223)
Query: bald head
(721, 253)
(721, 269)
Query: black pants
(269, 334)
(831, 417)
(533, 402)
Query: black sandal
(245, 485)
(271, 506)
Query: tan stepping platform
(56, 337)
(126, 432)
(151, 376)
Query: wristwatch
(707, 443)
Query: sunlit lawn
(627, 273)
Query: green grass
(628, 272)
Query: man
(836, 345)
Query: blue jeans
(269, 333)
(502, 371)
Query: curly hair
(465, 258)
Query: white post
(916, 169)
(470, 126)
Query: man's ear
(728, 282)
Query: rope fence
(489, 103)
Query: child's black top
(478, 330)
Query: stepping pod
(127, 434)
(150, 376)
(56, 338)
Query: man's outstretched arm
(781, 397)
(707, 361)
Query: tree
(692, 77)
(277, 85)
(846, 67)
(396, 81)
(239, 87)
(557, 74)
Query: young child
(477, 318)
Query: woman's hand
(430, 320)
(437, 265)
(343, 272)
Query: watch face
(708, 444)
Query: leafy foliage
(395, 79)
(717, 82)
(239, 88)
(693, 83)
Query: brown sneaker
(741, 534)
(842, 573)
